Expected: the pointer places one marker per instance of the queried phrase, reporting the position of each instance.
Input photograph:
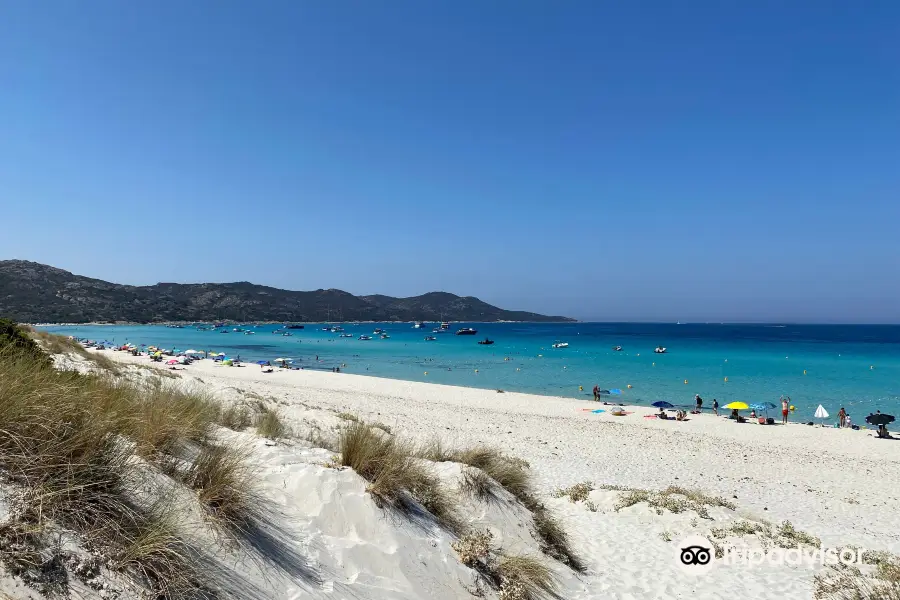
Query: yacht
(417, 325)
(486, 342)
(385, 336)
(378, 331)
(346, 335)
(617, 348)
(660, 350)
(293, 326)
(560, 345)
(466, 331)
(364, 337)
(430, 338)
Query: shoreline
(819, 478)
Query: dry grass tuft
(348, 417)
(225, 485)
(524, 578)
(554, 540)
(577, 493)
(843, 582)
(270, 424)
(236, 417)
(674, 499)
(477, 484)
(510, 473)
(382, 426)
(389, 465)
(58, 344)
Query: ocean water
(855, 366)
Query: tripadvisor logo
(697, 555)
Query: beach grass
(392, 469)
(69, 459)
(270, 424)
(524, 578)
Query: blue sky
(605, 160)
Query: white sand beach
(834, 484)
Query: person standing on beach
(699, 402)
(715, 407)
(596, 393)
(842, 417)
(784, 411)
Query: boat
(466, 331)
(287, 334)
(346, 335)
(660, 350)
(385, 336)
(378, 331)
(438, 330)
(430, 338)
(326, 329)
(560, 345)
(237, 329)
(293, 326)
(364, 337)
(249, 333)
(486, 342)
(417, 325)
(336, 329)
(617, 348)
(224, 331)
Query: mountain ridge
(32, 292)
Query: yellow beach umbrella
(737, 406)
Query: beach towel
(599, 410)
(650, 417)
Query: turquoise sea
(855, 366)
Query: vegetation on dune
(86, 453)
(392, 469)
(517, 577)
(270, 424)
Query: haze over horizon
(646, 162)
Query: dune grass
(524, 578)
(58, 344)
(577, 493)
(270, 424)
(842, 582)
(392, 470)
(477, 484)
(69, 450)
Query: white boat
(560, 345)
(417, 325)
(364, 337)
(660, 350)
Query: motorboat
(430, 338)
(224, 331)
(560, 345)
(249, 333)
(364, 337)
(287, 334)
(378, 331)
(438, 330)
(486, 342)
(660, 350)
(617, 348)
(466, 331)
(293, 326)
(336, 329)
(346, 335)
(385, 336)
(417, 325)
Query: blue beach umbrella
(663, 404)
(262, 362)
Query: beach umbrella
(262, 362)
(192, 351)
(284, 360)
(737, 406)
(879, 419)
(663, 404)
(821, 413)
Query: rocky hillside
(34, 293)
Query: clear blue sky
(606, 160)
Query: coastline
(821, 479)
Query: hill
(35, 293)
